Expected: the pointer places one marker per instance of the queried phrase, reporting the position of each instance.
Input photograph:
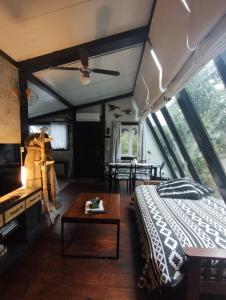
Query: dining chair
(141, 173)
(155, 175)
(142, 161)
(123, 173)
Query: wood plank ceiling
(34, 33)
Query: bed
(182, 240)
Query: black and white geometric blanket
(167, 225)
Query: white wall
(120, 114)
(156, 155)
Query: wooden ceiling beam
(97, 47)
(32, 120)
(48, 90)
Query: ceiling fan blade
(107, 72)
(84, 57)
(65, 68)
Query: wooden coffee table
(76, 214)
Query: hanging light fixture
(85, 79)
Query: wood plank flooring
(42, 274)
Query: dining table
(145, 165)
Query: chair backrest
(127, 158)
(142, 170)
(161, 168)
(120, 169)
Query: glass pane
(124, 141)
(208, 93)
(173, 143)
(134, 133)
(191, 145)
(164, 146)
(59, 136)
(37, 129)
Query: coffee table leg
(118, 239)
(62, 238)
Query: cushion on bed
(182, 188)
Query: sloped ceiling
(45, 104)
(29, 29)
(68, 85)
(32, 28)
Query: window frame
(165, 156)
(130, 144)
(180, 144)
(67, 133)
(181, 172)
(203, 141)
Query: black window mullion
(201, 136)
(180, 144)
(181, 172)
(161, 148)
(221, 67)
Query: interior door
(89, 149)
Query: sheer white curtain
(115, 141)
(59, 135)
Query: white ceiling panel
(32, 28)
(43, 107)
(125, 61)
(45, 103)
(100, 90)
(68, 85)
(12, 11)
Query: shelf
(9, 228)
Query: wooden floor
(42, 274)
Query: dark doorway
(89, 149)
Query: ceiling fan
(85, 70)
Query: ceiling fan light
(85, 79)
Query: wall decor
(126, 111)
(117, 116)
(113, 107)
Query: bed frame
(198, 279)
(196, 286)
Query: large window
(171, 160)
(129, 140)
(57, 131)
(191, 145)
(208, 93)
(173, 143)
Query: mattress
(167, 225)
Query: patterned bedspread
(167, 225)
